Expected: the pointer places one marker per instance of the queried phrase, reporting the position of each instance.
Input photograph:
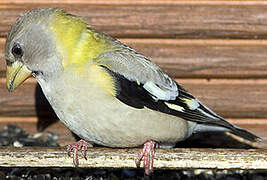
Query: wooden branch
(229, 98)
(125, 158)
(168, 19)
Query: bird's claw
(148, 154)
(74, 148)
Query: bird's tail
(244, 134)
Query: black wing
(185, 105)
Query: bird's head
(43, 42)
(30, 49)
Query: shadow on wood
(44, 111)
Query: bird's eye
(17, 51)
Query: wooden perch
(125, 158)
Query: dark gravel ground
(129, 174)
(15, 136)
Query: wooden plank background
(216, 49)
(157, 19)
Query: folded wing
(141, 84)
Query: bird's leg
(74, 148)
(148, 154)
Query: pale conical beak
(16, 74)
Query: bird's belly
(104, 120)
(117, 125)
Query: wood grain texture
(170, 19)
(198, 58)
(144, 2)
(229, 98)
(125, 158)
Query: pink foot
(74, 148)
(148, 154)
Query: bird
(103, 90)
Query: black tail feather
(245, 134)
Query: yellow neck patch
(74, 40)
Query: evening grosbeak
(103, 90)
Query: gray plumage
(147, 103)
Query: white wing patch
(158, 93)
(175, 107)
(191, 103)
(194, 104)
